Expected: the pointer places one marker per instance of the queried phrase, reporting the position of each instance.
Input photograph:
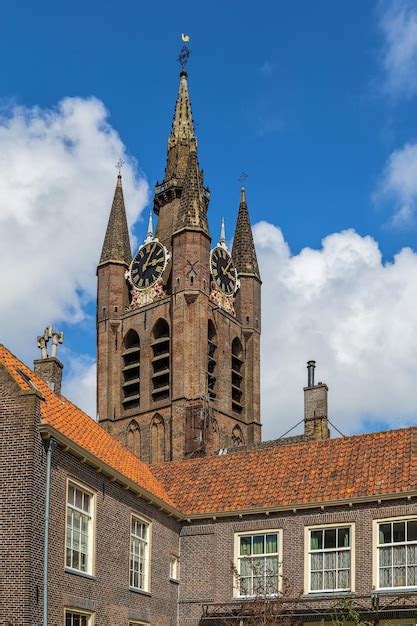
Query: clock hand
(149, 256)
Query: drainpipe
(50, 446)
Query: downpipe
(50, 445)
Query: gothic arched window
(131, 370)
(133, 437)
(211, 361)
(237, 436)
(160, 361)
(237, 375)
(157, 440)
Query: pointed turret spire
(116, 246)
(222, 241)
(244, 253)
(182, 132)
(192, 210)
(149, 235)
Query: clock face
(148, 265)
(223, 271)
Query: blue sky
(303, 96)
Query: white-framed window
(396, 553)
(329, 558)
(257, 562)
(139, 553)
(79, 547)
(73, 617)
(174, 567)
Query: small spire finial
(222, 241)
(242, 178)
(149, 236)
(119, 166)
(184, 52)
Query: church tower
(178, 327)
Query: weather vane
(184, 52)
(242, 178)
(119, 165)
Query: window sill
(174, 580)
(141, 591)
(68, 570)
(391, 590)
(327, 594)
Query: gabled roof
(76, 426)
(297, 475)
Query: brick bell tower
(178, 341)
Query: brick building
(169, 509)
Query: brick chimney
(49, 367)
(316, 426)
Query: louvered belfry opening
(131, 370)
(211, 361)
(160, 361)
(237, 376)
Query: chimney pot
(310, 373)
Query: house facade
(169, 509)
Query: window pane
(271, 543)
(316, 540)
(385, 577)
(317, 561)
(329, 580)
(330, 560)
(385, 556)
(78, 499)
(258, 544)
(258, 567)
(412, 555)
(245, 546)
(271, 566)
(343, 579)
(330, 538)
(412, 530)
(343, 537)
(385, 535)
(343, 559)
(412, 576)
(271, 585)
(398, 533)
(245, 567)
(258, 585)
(316, 581)
(245, 589)
(86, 506)
(399, 555)
(399, 577)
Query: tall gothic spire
(192, 212)
(182, 132)
(244, 253)
(116, 246)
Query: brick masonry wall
(207, 551)
(21, 502)
(107, 593)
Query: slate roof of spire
(244, 253)
(182, 132)
(192, 210)
(116, 246)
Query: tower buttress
(112, 299)
(248, 310)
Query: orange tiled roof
(77, 426)
(374, 464)
(370, 465)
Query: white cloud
(398, 184)
(355, 315)
(57, 178)
(398, 23)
